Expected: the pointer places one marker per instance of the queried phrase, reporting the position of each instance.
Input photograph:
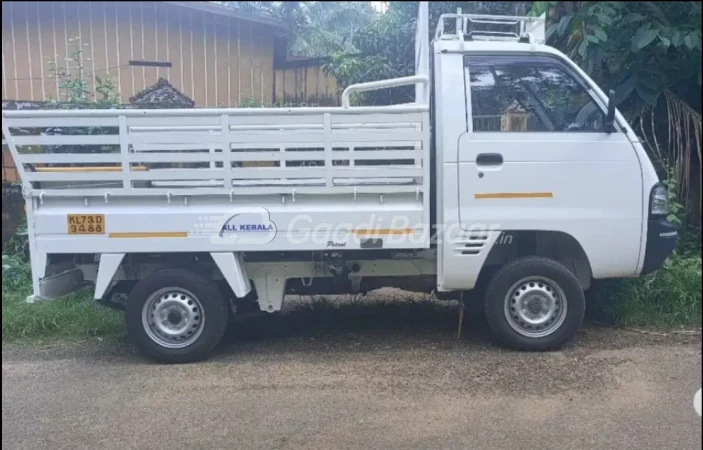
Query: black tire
(215, 311)
(522, 268)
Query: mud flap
(232, 268)
(109, 263)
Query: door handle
(489, 159)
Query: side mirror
(610, 117)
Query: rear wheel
(176, 316)
(534, 304)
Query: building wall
(217, 61)
(305, 84)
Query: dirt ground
(333, 380)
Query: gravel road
(362, 386)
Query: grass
(669, 298)
(74, 317)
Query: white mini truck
(515, 178)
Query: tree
(317, 28)
(386, 47)
(641, 49)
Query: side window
(519, 95)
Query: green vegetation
(386, 47)
(317, 29)
(671, 297)
(76, 316)
(75, 80)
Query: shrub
(15, 262)
(669, 297)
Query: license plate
(86, 224)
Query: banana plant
(641, 49)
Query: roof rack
(492, 28)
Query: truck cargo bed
(223, 179)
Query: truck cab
(532, 163)
(512, 176)
(524, 144)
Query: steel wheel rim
(535, 307)
(173, 317)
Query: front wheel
(534, 304)
(176, 316)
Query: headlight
(659, 201)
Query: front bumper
(661, 241)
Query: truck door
(537, 157)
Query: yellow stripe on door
(504, 195)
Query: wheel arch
(114, 268)
(557, 245)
